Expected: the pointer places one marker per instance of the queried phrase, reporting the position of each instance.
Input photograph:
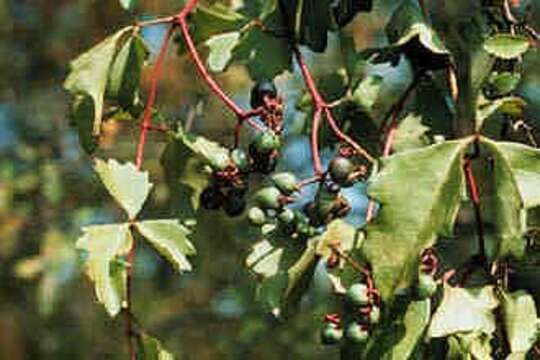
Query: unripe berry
(285, 182)
(267, 142)
(219, 160)
(358, 295)
(262, 89)
(269, 198)
(257, 216)
(240, 158)
(331, 334)
(374, 315)
(286, 216)
(356, 333)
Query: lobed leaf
(520, 320)
(103, 245)
(126, 184)
(170, 239)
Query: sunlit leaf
(411, 134)
(474, 306)
(103, 244)
(519, 311)
(126, 184)
(129, 4)
(150, 348)
(221, 47)
(169, 238)
(90, 73)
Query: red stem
(149, 107)
(315, 157)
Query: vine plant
(453, 216)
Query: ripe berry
(285, 182)
(269, 198)
(257, 216)
(356, 333)
(331, 334)
(426, 287)
(234, 203)
(358, 295)
(211, 198)
(262, 89)
(341, 169)
(332, 187)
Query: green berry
(374, 315)
(427, 286)
(356, 333)
(269, 198)
(219, 160)
(286, 216)
(358, 295)
(240, 158)
(285, 182)
(340, 169)
(331, 334)
(267, 142)
(256, 216)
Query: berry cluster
(229, 179)
(228, 184)
(362, 310)
(270, 207)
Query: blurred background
(48, 191)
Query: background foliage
(48, 191)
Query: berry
(285, 182)
(211, 198)
(267, 142)
(332, 187)
(358, 295)
(426, 287)
(374, 315)
(219, 160)
(341, 169)
(356, 333)
(235, 203)
(257, 216)
(240, 158)
(269, 198)
(262, 89)
(286, 216)
(331, 334)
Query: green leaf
(285, 267)
(399, 341)
(408, 30)
(411, 134)
(367, 92)
(129, 4)
(90, 73)
(126, 184)
(507, 46)
(471, 346)
(525, 164)
(104, 244)
(511, 105)
(408, 224)
(520, 320)
(221, 50)
(464, 310)
(150, 348)
(503, 205)
(82, 116)
(339, 234)
(170, 239)
(312, 23)
(126, 71)
(500, 84)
